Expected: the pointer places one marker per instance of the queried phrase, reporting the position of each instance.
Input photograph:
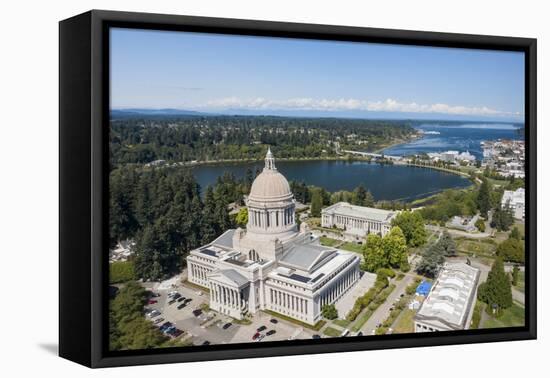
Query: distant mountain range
(171, 112)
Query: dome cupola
(271, 205)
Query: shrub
(385, 272)
(480, 224)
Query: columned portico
(272, 264)
(228, 293)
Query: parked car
(171, 301)
(181, 299)
(172, 293)
(188, 300)
(360, 333)
(256, 335)
(274, 321)
(154, 313)
(197, 312)
(227, 325)
(272, 332)
(181, 306)
(165, 326)
(152, 301)
(158, 320)
(345, 333)
(262, 328)
(315, 337)
(260, 338)
(177, 333)
(155, 295)
(206, 342)
(176, 296)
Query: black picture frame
(83, 181)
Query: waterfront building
(272, 265)
(449, 304)
(357, 221)
(515, 201)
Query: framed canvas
(237, 189)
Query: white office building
(357, 220)
(515, 200)
(271, 265)
(449, 305)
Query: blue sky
(217, 73)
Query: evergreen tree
(316, 203)
(502, 218)
(514, 234)
(359, 195)
(484, 198)
(515, 275)
(447, 244)
(431, 261)
(497, 290)
(369, 199)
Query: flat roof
(450, 299)
(370, 213)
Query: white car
(154, 313)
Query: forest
(206, 138)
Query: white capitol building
(272, 265)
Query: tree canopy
(497, 290)
(412, 225)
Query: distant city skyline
(257, 75)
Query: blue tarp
(423, 288)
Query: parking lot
(212, 327)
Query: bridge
(372, 154)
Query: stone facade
(357, 221)
(272, 265)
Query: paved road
(383, 311)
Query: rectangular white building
(515, 201)
(357, 220)
(449, 305)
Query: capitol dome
(270, 185)
(271, 205)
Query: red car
(152, 301)
(256, 335)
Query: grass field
(352, 247)
(481, 247)
(342, 322)
(329, 242)
(511, 317)
(332, 332)
(521, 282)
(405, 322)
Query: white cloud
(350, 104)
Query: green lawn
(332, 332)
(480, 247)
(521, 282)
(352, 247)
(511, 317)
(362, 320)
(329, 242)
(342, 322)
(405, 322)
